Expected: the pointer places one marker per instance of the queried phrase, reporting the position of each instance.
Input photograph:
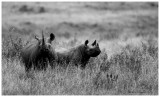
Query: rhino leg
(46, 62)
(44, 65)
(83, 66)
(28, 67)
(51, 63)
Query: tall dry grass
(133, 71)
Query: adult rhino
(79, 55)
(38, 54)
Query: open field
(128, 38)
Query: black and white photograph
(79, 48)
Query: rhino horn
(43, 42)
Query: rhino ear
(86, 42)
(36, 38)
(97, 45)
(52, 36)
(94, 43)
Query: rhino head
(93, 49)
(38, 54)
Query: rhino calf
(79, 55)
(38, 54)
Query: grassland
(127, 34)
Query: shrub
(11, 47)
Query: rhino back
(29, 52)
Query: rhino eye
(87, 49)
